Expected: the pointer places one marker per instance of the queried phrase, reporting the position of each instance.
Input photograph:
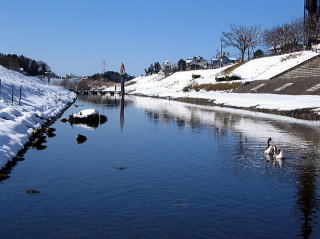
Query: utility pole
(221, 54)
(122, 75)
(104, 66)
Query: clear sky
(75, 36)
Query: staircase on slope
(305, 70)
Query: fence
(12, 93)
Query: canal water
(164, 169)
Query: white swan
(269, 150)
(278, 154)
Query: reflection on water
(110, 102)
(300, 139)
(307, 197)
(182, 171)
(122, 114)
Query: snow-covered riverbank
(39, 102)
(257, 69)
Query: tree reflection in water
(289, 133)
(300, 139)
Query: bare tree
(312, 30)
(253, 38)
(241, 37)
(285, 38)
(83, 85)
(272, 39)
(65, 83)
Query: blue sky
(75, 36)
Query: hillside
(24, 64)
(109, 76)
(40, 101)
(257, 69)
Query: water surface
(186, 172)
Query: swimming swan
(278, 154)
(270, 149)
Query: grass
(213, 87)
(130, 83)
(230, 69)
(290, 56)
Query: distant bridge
(96, 92)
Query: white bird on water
(272, 150)
(278, 154)
(269, 150)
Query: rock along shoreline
(6, 169)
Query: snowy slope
(258, 69)
(268, 67)
(156, 85)
(40, 101)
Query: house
(166, 69)
(197, 63)
(215, 62)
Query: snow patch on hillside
(40, 101)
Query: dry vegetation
(213, 87)
(291, 56)
(230, 69)
(130, 83)
(85, 84)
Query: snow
(260, 101)
(85, 113)
(258, 69)
(268, 67)
(40, 101)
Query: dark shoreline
(6, 169)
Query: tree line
(297, 35)
(156, 67)
(109, 76)
(24, 64)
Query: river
(165, 169)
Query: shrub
(194, 76)
(228, 78)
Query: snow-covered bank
(258, 69)
(39, 102)
(259, 101)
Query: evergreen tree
(182, 65)
(157, 67)
(258, 54)
(33, 70)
